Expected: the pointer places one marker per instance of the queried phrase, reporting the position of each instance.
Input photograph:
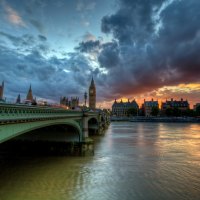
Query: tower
(29, 95)
(1, 90)
(92, 95)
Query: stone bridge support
(85, 127)
(87, 145)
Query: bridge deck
(19, 119)
(10, 113)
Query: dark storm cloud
(158, 44)
(132, 22)
(50, 77)
(42, 38)
(88, 46)
(109, 56)
(80, 67)
(180, 40)
(155, 43)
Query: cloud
(42, 38)
(154, 46)
(38, 25)
(25, 40)
(85, 5)
(28, 43)
(88, 36)
(12, 15)
(85, 23)
(191, 92)
(132, 23)
(47, 75)
(38, 3)
(143, 57)
(88, 46)
(109, 56)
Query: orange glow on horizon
(190, 92)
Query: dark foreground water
(132, 161)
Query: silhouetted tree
(198, 111)
(132, 111)
(169, 112)
(154, 111)
(176, 112)
(188, 113)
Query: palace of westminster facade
(72, 103)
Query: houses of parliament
(72, 103)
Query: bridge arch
(13, 130)
(93, 125)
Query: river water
(132, 161)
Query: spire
(29, 95)
(92, 82)
(18, 100)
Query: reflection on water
(132, 161)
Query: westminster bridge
(33, 123)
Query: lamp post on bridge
(85, 97)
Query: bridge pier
(87, 144)
(85, 128)
(87, 147)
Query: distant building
(29, 96)
(1, 90)
(181, 105)
(72, 104)
(120, 108)
(92, 95)
(42, 103)
(64, 101)
(147, 107)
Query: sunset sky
(136, 49)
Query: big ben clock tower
(92, 95)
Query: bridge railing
(16, 113)
(20, 113)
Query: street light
(85, 97)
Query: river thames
(132, 161)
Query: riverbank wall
(158, 119)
